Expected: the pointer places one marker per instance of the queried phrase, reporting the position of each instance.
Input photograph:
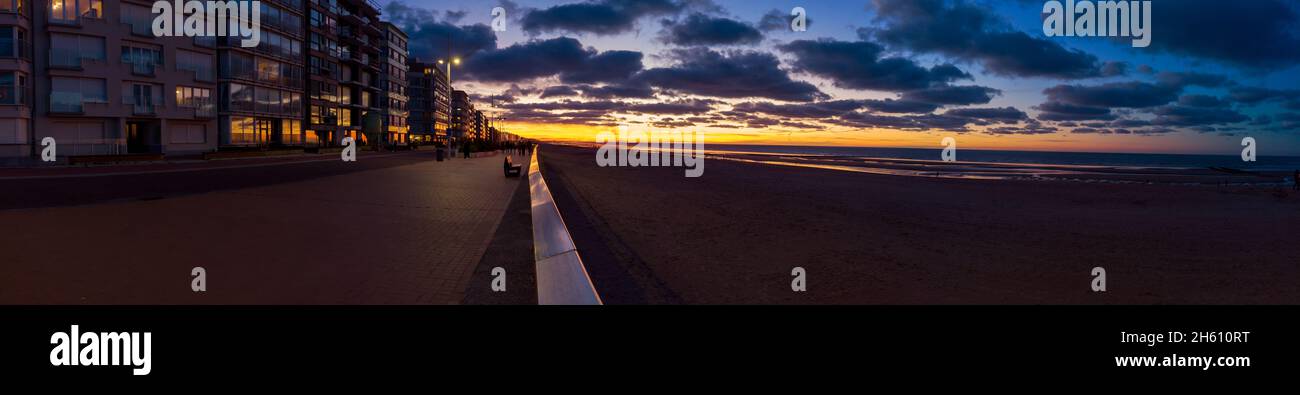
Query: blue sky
(877, 73)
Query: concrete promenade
(397, 229)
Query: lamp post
(450, 90)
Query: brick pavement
(401, 235)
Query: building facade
(343, 61)
(16, 70)
(102, 83)
(462, 116)
(394, 86)
(261, 89)
(430, 106)
(92, 75)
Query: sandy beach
(650, 235)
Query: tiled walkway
(401, 235)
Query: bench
(512, 170)
(89, 159)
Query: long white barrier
(561, 277)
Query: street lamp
(455, 61)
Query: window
(236, 65)
(13, 86)
(268, 70)
(139, 17)
(242, 131)
(13, 42)
(142, 60)
(237, 97)
(70, 11)
(189, 97)
(290, 132)
(200, 64)
(12, 6)
(345, 117)
(68, 94)
(69, 50)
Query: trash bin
(440, 154)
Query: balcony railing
(205, 111)
(66, 58)
(201, 73)
(143, 109)
(144, 69)
(10, 48)
(12, 95)
(65, 102)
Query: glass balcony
(65, 102)
(10, 48)
(143, 109)
(144, 69)
(63, 57)
(11, 95)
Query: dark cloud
(676, 108)
(1254, 95)
(604, 67)
(565, 57)
(1202, 101)
(1020, 130)
(953, 95)
(823, 109)
(429, 36)
(1183, 79)
(776, 20)
(736, 74)
(1057, 111)
(559, 91)
(1114, 69)
(623, 90)
(858, 65)
(700, 29)
(1180, 115)
(901, 106)
(906, 122)
(1255, 33)
(972, 32)
(1116, 94)
(601, 17)
(1000, 115)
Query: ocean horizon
(1152, 160)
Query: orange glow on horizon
(882, 138)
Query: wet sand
(733, 236)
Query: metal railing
(561, 277)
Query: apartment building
(91, 75)
(262, 88)
(462, 116)
(430, 105)
(479, 125)
(16, 71)
(393, 84)
(344, 63)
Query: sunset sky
(896, 73)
